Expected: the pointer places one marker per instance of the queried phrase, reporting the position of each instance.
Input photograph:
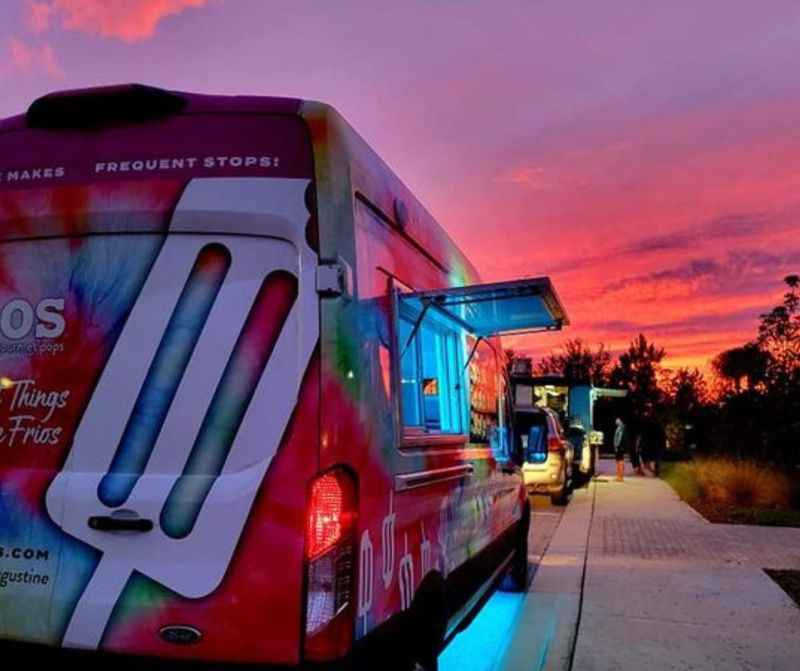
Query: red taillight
(325, 515)
(330, 549)
(554, 444)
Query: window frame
(409, 436)
(503, 401)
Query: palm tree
(748, 362)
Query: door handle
(107, 523)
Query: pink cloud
(129, 21)
(529, 177)
(48, 61)
(37, 16)
(35, 57)
(20, 54)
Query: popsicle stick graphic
(165, 374)
(388, 543)
(365, 578)
(133, 380)
(406, 578)
(245, 367)
(141, 430)
(94, 608)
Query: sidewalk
(544, 633)
(662, 588)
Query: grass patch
(789, 582)
(735, 492)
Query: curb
(546, 631)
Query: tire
(562, 497)
(427, 623)
(517, 578)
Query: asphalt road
(479, 647)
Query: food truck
(574, 401)
(252, 401)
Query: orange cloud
(129, 21)
(35, 57)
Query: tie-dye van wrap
(434, 528)
(165, 358)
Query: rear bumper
(545, 482)
(546, 478)
(545, 488)
(92, 660)
(377, 650)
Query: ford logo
(181, 634)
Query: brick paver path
(666, 590)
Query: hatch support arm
(426, 303)
(472, 352)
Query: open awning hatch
(600, 392)
(500, 308)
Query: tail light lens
(330, 551)
(554, 444)
(326, 513)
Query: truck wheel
(428, 623)
(561, 498)
(517, 578)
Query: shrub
(741, 483)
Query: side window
(430, 374)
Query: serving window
(449, 375)
(431, 377)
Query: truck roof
(369, 177)
(86, 101)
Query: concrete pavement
(545, 629)
(647, 583)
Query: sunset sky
(645, 155)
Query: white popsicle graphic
(192, 566)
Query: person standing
(621, 440)
(658, 443)
(637, 444)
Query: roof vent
(103, 106)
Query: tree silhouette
(748, 362)
(577, 362)
(763, 419)
(638, 370)
(688, 391)
(779, 334)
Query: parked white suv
(548, 467)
